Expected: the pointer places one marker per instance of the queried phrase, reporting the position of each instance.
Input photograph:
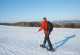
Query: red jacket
(44, 26)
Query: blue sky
(36, 9)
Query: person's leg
(49, 42)
(44, 41)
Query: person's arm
(41, 27)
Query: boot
(51, 49)
(43, 46)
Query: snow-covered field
(26, 41)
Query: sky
(35, 10)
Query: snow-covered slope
(26, 41)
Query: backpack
(50, 26)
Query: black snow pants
(47, 39)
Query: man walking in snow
(47, 27)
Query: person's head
(44, 18)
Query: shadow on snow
(62, 42)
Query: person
(47, 27)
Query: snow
(26, 41)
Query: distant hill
(25, 24)
(66, 21)
(62, 24)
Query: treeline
(24, 24)
(37, 24)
